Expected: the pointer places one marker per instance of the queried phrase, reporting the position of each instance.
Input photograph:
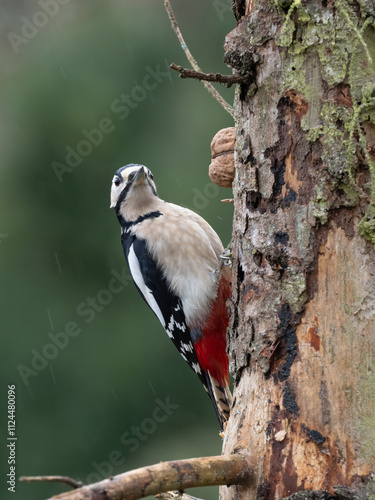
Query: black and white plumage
(174, 257)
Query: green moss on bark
(338, 46)
(367, 225)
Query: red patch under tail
(211, 348)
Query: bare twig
(59, 479)
(191, 59)
(166, 476)
(228, 80)
(176, 29)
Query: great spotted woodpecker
(176, 261)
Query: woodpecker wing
(153, 287)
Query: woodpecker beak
(140, 177)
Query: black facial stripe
(128, 166)
(121, 198)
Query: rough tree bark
(302, 339)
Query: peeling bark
(302, 333)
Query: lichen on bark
(334, 47)
(305, 150)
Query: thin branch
(166, 476)
(191, 59)
(227, 80)
(58, 479)
(176, 29)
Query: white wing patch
(186, 347)
(171, 326)
(136, 273)
(197, 368)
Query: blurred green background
(87, 402)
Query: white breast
(188, 251)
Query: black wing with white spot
(153, 287)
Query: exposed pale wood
(166, 476)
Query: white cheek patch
(136, 273)
(115, 194)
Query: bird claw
(226, 257)
(222, 433)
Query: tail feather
(221, 398)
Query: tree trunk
(302, 339)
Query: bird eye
(150, 175)
(117, 181)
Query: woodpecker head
(132, 191)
